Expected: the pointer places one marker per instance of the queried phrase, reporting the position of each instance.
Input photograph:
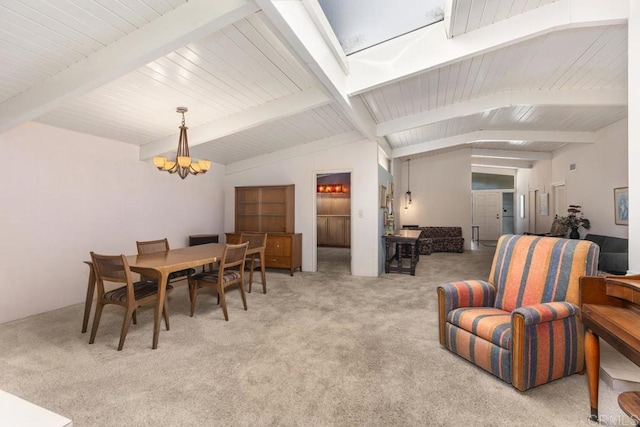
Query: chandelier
(183, 163)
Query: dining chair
(257, 244)
(230, 272)
(115, 269)
(162, 245)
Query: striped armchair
(522, 324)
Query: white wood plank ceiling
(469, 15)
(40, 38)
(580, 59)
(314, 125)
(564, 64)
(519, 118)
(259, 81)
(204, 76)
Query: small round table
(629, 402)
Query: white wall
(66, 193)
(299, 166)
(441, 191)
(600, 168)
(385, 179)
(634, 135)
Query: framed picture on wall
(383, 196)
(621, 205)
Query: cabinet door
(265, 209)
(335, 231)
(347, 232)
(248, 209)
(322, 230)
(278, 246)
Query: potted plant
(574, 220)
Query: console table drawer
(623, 292)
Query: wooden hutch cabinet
(271, 210)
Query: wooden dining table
(159, 265)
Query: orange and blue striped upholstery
(490, 357)
(531, 294)
(529, 270)
(553, 344)
(491, 324)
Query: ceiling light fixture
(407, 195)
(183, 163)
(332, 188)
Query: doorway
(486, 214)
(333, 218)
(493, 214)
(559, 199)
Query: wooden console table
(202, 239)
(393, 251)
(610, 308)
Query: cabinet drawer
(277, 261)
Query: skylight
(360, 24)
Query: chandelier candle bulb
(168, 165)
(159, 162)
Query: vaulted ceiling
(512, 79)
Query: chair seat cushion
(140, 289)
(181, 273)
(256, 263)
(491, 324)
(212, 277)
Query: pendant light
(407, 195)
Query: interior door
(486, 214)
(559, 200)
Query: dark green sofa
(614, 253)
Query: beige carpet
(334, 260)
(317, 350)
